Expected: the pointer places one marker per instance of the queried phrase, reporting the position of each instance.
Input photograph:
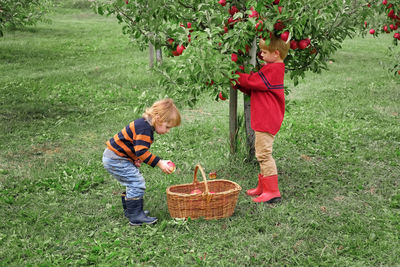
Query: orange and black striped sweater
(133, 142)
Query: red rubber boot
(256, 191)
(270, 192)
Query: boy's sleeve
(142, 145)
(260, 81)
(241, 84)
(252, 81)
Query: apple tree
(208, 41)
(384, 18)
(18, 13)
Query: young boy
(267, 108)
(130, 147)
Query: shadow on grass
(29, 112)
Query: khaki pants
(263, 145)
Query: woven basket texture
(217, 205)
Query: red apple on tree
(303, 44)
(294, 45)
(279, 26)
(210, 83)
(222, 2)
(259, 26)
(233, 10)
(285, 36)
(221, 96)
(170, 41)
(254, 13)
(234, 57)
(372, 31)
(385, 29)
(179, 49)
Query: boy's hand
(138, 163)
(163, 165)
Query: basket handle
(195, 181)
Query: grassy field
(66, 87)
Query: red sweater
(267, 97)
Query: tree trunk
(233, 122)
(151, 55)
(159, 56)
(246, 106)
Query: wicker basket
(221, 204)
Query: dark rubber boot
(135, 214)
(123, 196)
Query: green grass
(68, 86)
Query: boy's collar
(148, 120)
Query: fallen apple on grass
(212, 175)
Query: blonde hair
(163, 111)
(276, 43)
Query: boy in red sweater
(267, 108)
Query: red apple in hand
(196, 192)
(172, 166)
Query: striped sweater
(133, 142)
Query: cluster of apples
(393, 24)
(394, 21)
(177, 49)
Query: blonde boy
(130, 147)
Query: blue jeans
(127, 174)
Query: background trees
(19, 13)
(209, 40)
